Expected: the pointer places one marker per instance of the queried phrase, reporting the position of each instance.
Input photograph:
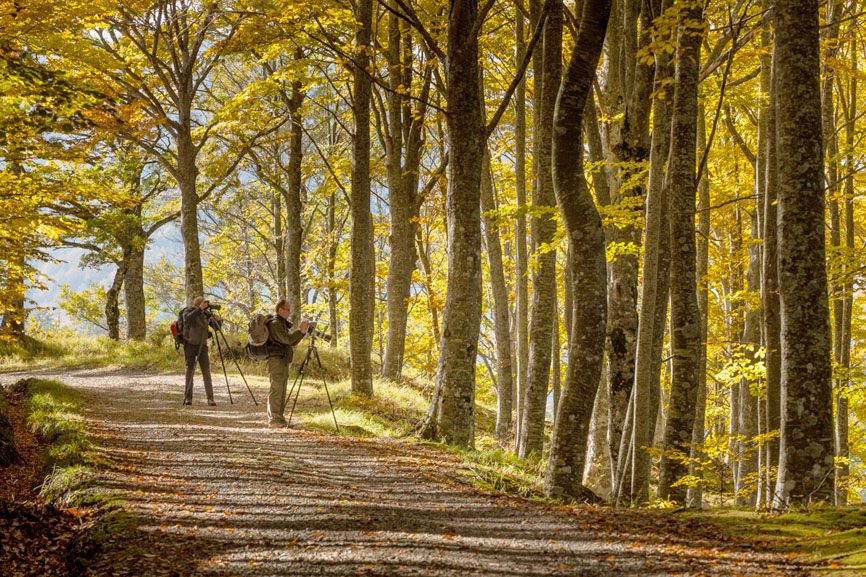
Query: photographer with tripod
(196, 321)
(281, 348)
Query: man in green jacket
(281, 347)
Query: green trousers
(278, 371)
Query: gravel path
(215, 492)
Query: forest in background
(544, 198)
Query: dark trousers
(191, 353)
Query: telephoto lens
(314, 332)
(214, 307)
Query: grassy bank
(65, 349)
(54, 412)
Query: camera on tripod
(312, 331)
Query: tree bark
(842, 449)
(685, 315)
(133, 289)
(628, 144)
(806, 444)
(695, 493)
(363, 273)
(405, 202)
(294, 206)
(521, 267)
(585, 236)
(461, 320)
(112, 307)
(502, 330)
(543, 230)
(747, 464)
(771, 305)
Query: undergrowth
(54, 412)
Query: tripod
(218, 333)
(299, 380)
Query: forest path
(214, 492)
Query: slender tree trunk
(279, 244)
(747, 465)
(543, 231)
(695, 494)
(771, 304)
(333, 244)
(806, 445)
(842, 449)
(654, 293)
(556, 356)
(504, 367)
(405, 202)
(628, 143)
(585, 236)
(685, 316)
(294, 206)
(521, 268)
(362, 275)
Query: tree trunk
(695, 493)
(461, 320)
(504, 367)
(405, 202)
(279, 244)
(842, 449)
(294, 206)
(362, 276)
(747, 465)
(521, 267)
(112, 308)
(187, 175)
(630, 98)
(806, 444)
(543, 230)
(685, 316)
(654, 295)
(556, 357)
(133, 287)
(333, 244)
(771, 305)
(585, 236)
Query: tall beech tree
(585, 235)
(543, 231)
(685, 315)
(806, 437)
(362, 276)
(453, 404)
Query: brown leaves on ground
(37, 538)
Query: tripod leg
(300, 380)
(223, 363)
(235, 359)
(328, 393)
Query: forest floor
(200, 490)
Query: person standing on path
(281, 348)
(196, 321)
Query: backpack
(258, 335)
(177, 328)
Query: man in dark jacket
(196, 321)
(281, 348)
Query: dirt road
(211, 491)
